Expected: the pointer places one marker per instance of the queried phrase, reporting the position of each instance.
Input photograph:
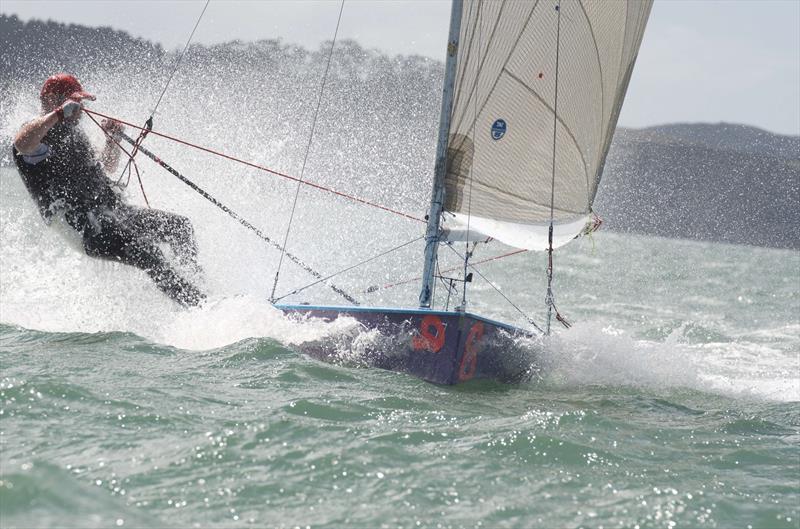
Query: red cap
(63, 86)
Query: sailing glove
(68, 110)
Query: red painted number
(431, 335)
(469, 362)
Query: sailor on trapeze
(62, 172)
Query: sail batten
(500, 153)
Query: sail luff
(440, 170)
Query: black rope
(308, 149)
(524, 315)
(298, 290)
(235, 216)
(448, 285)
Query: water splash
(592, 354)
(667, 325)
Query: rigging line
(447, 284)
(130, 156)
(235, 216)
(308, 149)
(549, 300)
(467, 253)
(524, 315)
(375, 288)
(180, 58)
(132, 162)
(149, 121)
(259, 167)
(365, 261)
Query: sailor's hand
(69, 111)
(112, 127)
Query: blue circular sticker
(498, 129)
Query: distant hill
(732, 137)
(33, 50)
(721, 182)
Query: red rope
(134, 152)
(259, 167)
(131, 160)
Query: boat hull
(442, 347)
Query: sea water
(672, 401)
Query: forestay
(501, 135)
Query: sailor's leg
(175, 230)
(107, 236)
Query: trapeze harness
(63, 175)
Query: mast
(440, 169)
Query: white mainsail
(499, 179)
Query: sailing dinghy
(532, 93)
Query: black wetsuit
(64, 175)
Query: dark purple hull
(437, 346)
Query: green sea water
(104, 430)
(671, 402)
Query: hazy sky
(701, 60)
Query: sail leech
(504, 149)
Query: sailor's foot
(178, 288)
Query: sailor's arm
(31, 134)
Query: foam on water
(225, 321)
(49, 284)
(646, 317)
(589, 354)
